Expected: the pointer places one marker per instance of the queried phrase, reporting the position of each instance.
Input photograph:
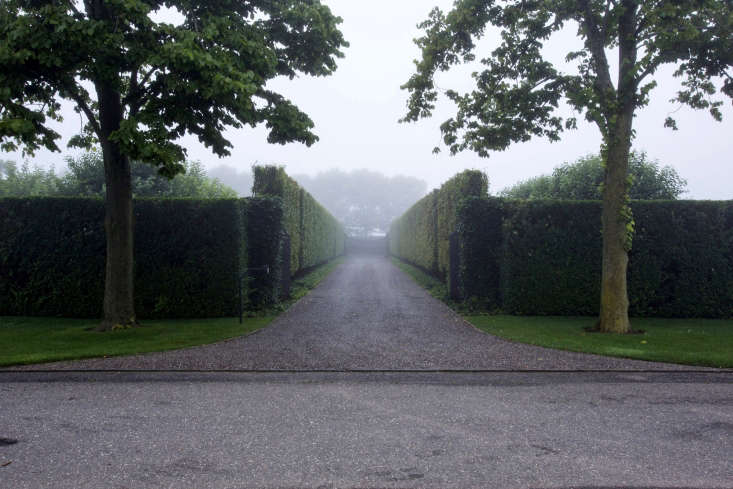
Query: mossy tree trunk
(615, 218)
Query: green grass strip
(699, 342)
(26, 340)
(37, 340)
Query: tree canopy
(520, 93)
(583, 179)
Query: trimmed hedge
(548, 257)
(479, 227)
(52, 256)
(263, 217)
(421, 236)
(187, 256)
(681, 263)
(551, 258)
(315, 235)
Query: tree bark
(614, 316)
(119, 307)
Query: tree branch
(82, 104)
(135, 97)
(603, 87)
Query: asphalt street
(354, 430)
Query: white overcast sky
(356, 112)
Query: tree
(26, 181)
(86, 178)
(142, 83)
(583, 180)
(518, 93)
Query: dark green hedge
(264, 226)
(315, 235)
(188, 254)
(421, 235)
(479, 227)
(548, 257)
(551, 258)
(681, 263)
(187, 257)
(52, 256)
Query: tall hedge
(52, 256)
(421, 236)
(479, 227)
(188, 254)
(263, 217)
(548, 257)
(551, 258)
(315, 235)
(414, 236)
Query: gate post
(454, 267)
(285, 266)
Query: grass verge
(27, 340)
(700, 342)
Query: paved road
(353, 430)
(367, 315)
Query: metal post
(239, 286)
(285, 267)
(454, 266)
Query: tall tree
(518, 91)
(142, 83)
(583, 180)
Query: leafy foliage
(154, 82)
(52, 256)
(583, 179)
(85, 178)
(543, 257)
(26, 181)
(518, 91)
(196, 77)
(263, 218)
(421, 235)
(315, 235)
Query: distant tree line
(583, 179)
(85, 177)
(366, 202)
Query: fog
(357, 109)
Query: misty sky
(356, 112)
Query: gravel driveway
(366, 315)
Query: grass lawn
(25, 340)
(36, 340)
(704, 342)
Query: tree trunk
(614, 317)
(119, 308)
